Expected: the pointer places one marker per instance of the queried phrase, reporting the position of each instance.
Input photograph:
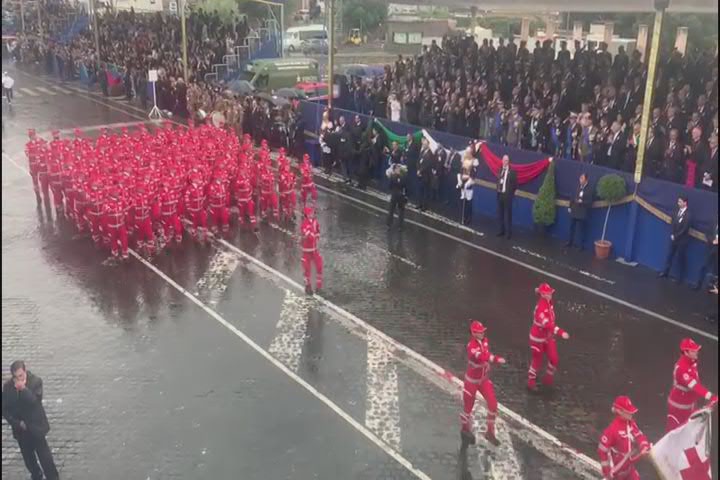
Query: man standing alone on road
(506, 186)
(23, 409)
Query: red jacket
(479, 360)
(194, 199)
(687, 389)
(142, 207)
(616, 448)
(243, 189)
(217, 195)
(543, 327)
(114, 213)
(310, 233)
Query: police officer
(398, 192)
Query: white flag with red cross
(684, 453)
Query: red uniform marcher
(170, 216)
(33, 149)
(686, 389)
(94, 210)
(195, 208)
(310, 238)
(142, 213)
(477, 379)
(218, 200)
(307, 185)
(619, 441)
(268, 198)
(542, 338)
(286, 186)
(114, 220)
(244, 199)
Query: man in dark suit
(679, 238)
(23, 409)
(654, 153)
(617, 147)
(579, 208)
(506, 186)
(711, 259)
(673, 164)
(425, 166)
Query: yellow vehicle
(355, 38)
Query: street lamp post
(95, 30)
(649, 87)
(331, 51)
(22, 15)
(183, 30)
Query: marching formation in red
(148, 189)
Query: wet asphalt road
(142, 383)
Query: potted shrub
(543, 211)
(612, 189)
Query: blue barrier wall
(637, 233)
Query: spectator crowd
(585, 105)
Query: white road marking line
(214, 282)
(29, 92)
(294, 376)
(17, 94)
(540, 271)
(503, 459)
(291, 330)
(17, 165)
(393, 255)
(63, 90)
(550, 260)
(45, 90)
(534, 435)
(382, 414)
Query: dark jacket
(25, 406)
(582, 201)
(511, 183)
(426, 165)
(616, 151)
(680, 226)
(398, 184)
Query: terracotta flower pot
(602, 249)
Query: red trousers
(246, 208)
(144, 233)
(287, 204)
(118, 240)
(95, 222)
(538, 351)
(268, 201)
(220, 218)
(44, 184)
(677, 416)
(172, 227)
(57, 195)
(487, 390)
(309, 190)
(199, 224)
(308, 259)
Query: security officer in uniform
(579, 208)
(398, 192)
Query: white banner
(684, 453)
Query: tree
(543, 211)
(367, 15)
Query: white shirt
(503, 184)
(7, 81)
(681, 213)
(395, 111)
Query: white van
(295, 36)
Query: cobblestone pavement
(141, 383)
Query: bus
(269, 75)
(294, 36)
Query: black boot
(490, 437)
(466, 438)
(308, 290)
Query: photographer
(396, 173)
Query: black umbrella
(243, 87)
(290, 93)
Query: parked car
(315, 46)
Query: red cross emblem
(697, 470)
